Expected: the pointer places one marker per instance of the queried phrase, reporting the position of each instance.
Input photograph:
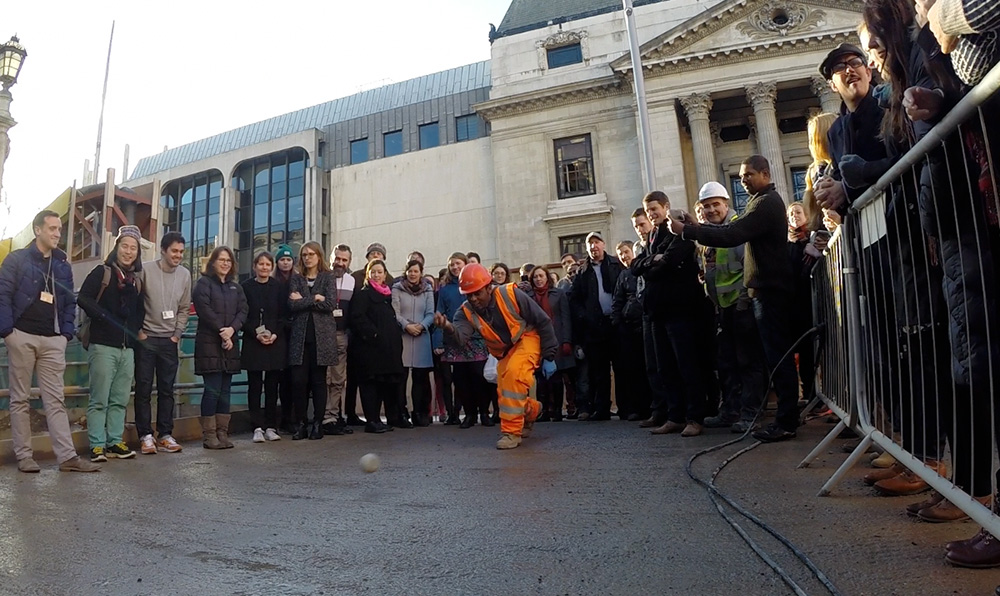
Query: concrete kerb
(187, 428)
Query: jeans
(215, 399)
(741, 365)
(771, 308)
(680, 349)
(155, 355)
(601, 350)
(420, 393)
(309, 378)
(258, 380)
(111, 373)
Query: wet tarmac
(581, 508)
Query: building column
(667, 150)
(229, 199)
(827, 97)
(762, 97)
(697, 107)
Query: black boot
(301, 432)
(316, 430)
(469, 422)
(485, 419)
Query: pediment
(750, 27)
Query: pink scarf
(380, 288)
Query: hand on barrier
(922, 104)
(548, 368)
(830, 193)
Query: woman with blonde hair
(313, 342)
(821, 166)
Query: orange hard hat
(473, 278)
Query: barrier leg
(823, 445)
(805, 411)
(847, 465)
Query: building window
(468, 127)
(574, 166)
(272, 204)
(574, 245)
(430, 135)
(193, 205)
(392, 143)
(740, 196)
(564, 55)
(359, 151)
(799, 183)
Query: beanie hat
(283, 251)
(375, 247)
(129, 232)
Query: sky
(184, 70)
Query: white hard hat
(712, 190)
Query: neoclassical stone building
(519, 157)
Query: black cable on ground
(715, 494)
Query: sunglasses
(854, 63)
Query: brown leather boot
(875, 475)
(693, 429)
(222, 430)
(667, 428)
(914, 508)
(983, 554)
(208, 437)
(945, 511)
(906, 483)
(968, 541)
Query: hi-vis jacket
(510, 315)
(724, 273)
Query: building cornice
(532, 101)
(738, 55)
(804, 23)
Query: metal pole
(645, 142)
(104, 95)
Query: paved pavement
(582, 508)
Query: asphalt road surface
(581, 508)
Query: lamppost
(12, 56)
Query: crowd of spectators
(686, 327)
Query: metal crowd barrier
(916, 271)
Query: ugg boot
(209, 440)
(222, 430)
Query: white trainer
(271, 435)
(258, 435)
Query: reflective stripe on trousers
(515, 376)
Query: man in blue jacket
(37, 310)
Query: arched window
(192, 206)
(272, 203)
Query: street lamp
(12, 57)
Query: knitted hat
(283, 251)
(129, 232)
(376, 247)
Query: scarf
(799, 234)
(380, 288)
(541, 296)
(413, 289)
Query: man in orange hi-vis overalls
(519, 335)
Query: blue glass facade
(193, 205)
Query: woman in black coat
(222, 309)
(265, 345)
(313, 344)
(378, 344)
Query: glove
(852, 169)
(548, 368)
